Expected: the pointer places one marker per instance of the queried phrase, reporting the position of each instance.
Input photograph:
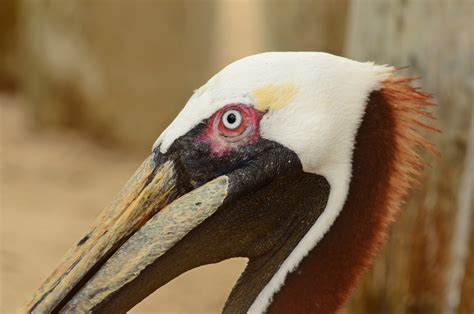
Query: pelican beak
(157, 208)
(153, 186)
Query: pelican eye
(232, 119)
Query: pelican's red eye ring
(232, 126)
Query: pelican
(298, 161)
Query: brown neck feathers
(385, 166)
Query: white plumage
(318, 121)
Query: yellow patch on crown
(274, 96)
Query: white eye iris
(232, 119)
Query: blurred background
(87, 86)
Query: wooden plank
(435, 38)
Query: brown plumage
(385, 166)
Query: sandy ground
(52, 185)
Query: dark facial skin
(195, 156)
(271, 204)
(196, 165)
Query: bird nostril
(83, 240)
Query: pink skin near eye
(221, 139)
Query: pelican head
(297, 161)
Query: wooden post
(426, 267)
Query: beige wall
(118, 69)
(121, 70)
(432, 242)
(8, 44)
